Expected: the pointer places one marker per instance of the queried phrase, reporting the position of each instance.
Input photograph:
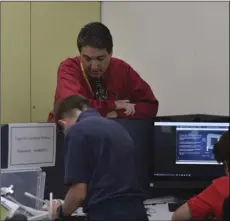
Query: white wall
(180, 48)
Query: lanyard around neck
(85, 77)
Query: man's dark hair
(221, 149)
(95, 35)
(66, 106)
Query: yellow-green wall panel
(15, 62)
(54, 30)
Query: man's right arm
(69, 83)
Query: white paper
(32, 145)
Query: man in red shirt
(210, 201)
(110, 84)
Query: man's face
(95, 61)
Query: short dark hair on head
(66, 106)
(95, 35)
(221, 149)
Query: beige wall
(36, 37)
(180, 48)
(15, 62)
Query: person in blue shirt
(100, 165)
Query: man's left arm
(146, 104)
(76, 173)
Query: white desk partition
(31, 145)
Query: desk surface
(156, 212)
(159, 211)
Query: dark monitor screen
(184, 151)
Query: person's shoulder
(117, 62)
(83, 126)
(222, 185)
(92, 122)
(70, 62)
(76, 130)
(70, 66)
(119, 66)
(223, 181)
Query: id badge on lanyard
(87, 81)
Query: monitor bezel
(181, 182)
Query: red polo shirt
(210, 201)
(121, 83)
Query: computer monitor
(183, 154)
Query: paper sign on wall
(32, 145)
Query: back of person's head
(69, 108)
(95, 35)
(221, 150)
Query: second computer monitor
(184, 152)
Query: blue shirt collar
(88, 113)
